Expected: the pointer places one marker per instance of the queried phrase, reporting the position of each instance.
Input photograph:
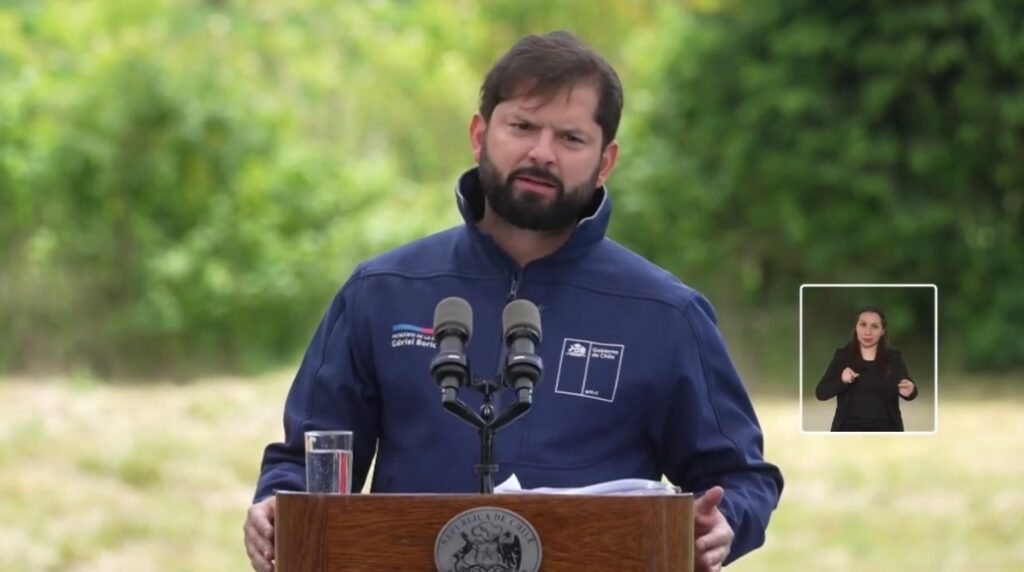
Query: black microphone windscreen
(520, 313)
(454, 311)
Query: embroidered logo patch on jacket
(411, 335)
(589, 369)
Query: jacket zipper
(513, 291)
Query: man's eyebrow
(565, 130)
(576, 131)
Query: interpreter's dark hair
(853, 346)
(542, 66)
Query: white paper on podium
(642, 487)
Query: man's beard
(529, 210)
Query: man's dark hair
(542, 66)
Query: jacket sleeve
(709, 435)
(334, 389)
(899, 369)
(831, 384)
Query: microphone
(523, 367)
(453, 326)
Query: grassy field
(96, 477)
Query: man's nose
(543, 151)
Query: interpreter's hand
(906, 387)
(712, 534)
(849, 375)
(259, 534)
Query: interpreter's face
(541, 161)
(869, 329)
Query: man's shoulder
(631, 274)
(431, 254)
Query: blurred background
(184, 184)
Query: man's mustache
(538, 174)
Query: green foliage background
(847, 142)
(184, 184)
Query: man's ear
(608, 158)
(477, 132)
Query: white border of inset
(935, 357)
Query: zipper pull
(514, 288)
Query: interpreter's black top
(871, 402)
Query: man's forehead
(577, 102)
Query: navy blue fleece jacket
(637, 381)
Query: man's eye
(573, 139)
(521, 126)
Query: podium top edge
(477, 496)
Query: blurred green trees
(184, 184)
(847, 142)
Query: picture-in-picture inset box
(869, 358)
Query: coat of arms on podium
(487, 539)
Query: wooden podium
(329, 533)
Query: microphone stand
(485, 423)
(453, 320)
(526, 365)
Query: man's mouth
(537, 184)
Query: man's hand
(259, 534)
(713, 535)
(906, 387)
(849, 375)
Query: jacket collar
(590, 230)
